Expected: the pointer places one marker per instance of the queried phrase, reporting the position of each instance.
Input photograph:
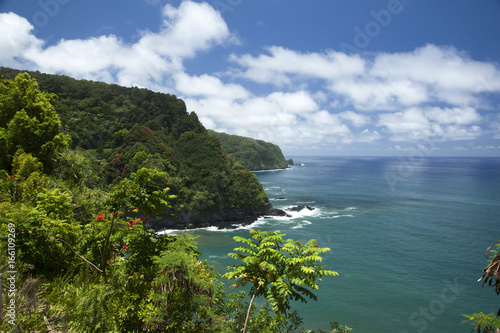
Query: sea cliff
(251, 153)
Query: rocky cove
(223, 220)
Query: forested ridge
(125, 129)
(251, 153)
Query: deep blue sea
(407, 236)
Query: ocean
(407, 237)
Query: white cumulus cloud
(15, 39)
(433, 123)
(280, 65)
(384, 81)
(208, 85)
(184, 31)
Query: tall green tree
(279, 270)
(28, 121)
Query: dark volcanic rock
(223, 220)
(299, 208)
(271, 211)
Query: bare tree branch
(88, 262)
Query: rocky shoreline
(222, 221)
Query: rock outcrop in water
(299, 208)
(219, 220)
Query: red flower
(117, 214)
(125, 247)
(12, 176)
(128, 223)
(134, 223)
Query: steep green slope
(131, 128)
(252, 154)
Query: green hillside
(251, 153)
(126, 129)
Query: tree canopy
(28, 121)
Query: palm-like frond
(492, 272)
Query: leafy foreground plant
(185, 293)
(481, 321)
(279, 270)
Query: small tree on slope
(280, 270)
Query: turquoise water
(407, 236)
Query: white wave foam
(303, 213)
(258, 222)
(294, 216)
(302, 224)
(337, 216)
(217, 257)
(170, 231)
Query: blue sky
(317, 77)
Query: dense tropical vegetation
(121, 130)
(252, 154)
(77, 253)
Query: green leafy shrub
(277, 269)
